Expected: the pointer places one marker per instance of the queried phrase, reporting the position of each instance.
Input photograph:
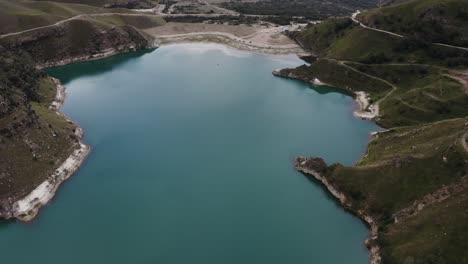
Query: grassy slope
(102, 3)
(331, 72)
(376, 60)
(315, 9)
(402, 166)
(341, 39)
(85, 37)
(424, 94)
(395, 171)
(436, 230)
(18, 15)
(444, 21)
(421, 154)
(23, 168)
(34, 140)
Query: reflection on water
(96, 67)
(192, 162)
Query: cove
(192, 162)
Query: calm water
(192, 162)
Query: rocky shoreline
(365, 111)
(26, 208)
(313, 167)
(102, 55)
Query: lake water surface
(192, 162)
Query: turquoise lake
(192, 162)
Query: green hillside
(112, 3)
(34, 140)
(85, 37)
(424, 75)
(19, 15)
(442, 21)
(344, 40)
(313, 9)
(404, 168)
(413, 179)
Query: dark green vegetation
(443, 21)
(413, 179)
(406, 168)
(85, 37)
(311, 9)
(22, 14)
(423, 94)
(404, 153)
(424, 75)
(437, 230)
(34, 139)
(344, 40)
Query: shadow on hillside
(91, 68)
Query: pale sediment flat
(256, 38)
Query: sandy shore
(366, 110)
(27, 208)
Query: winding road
(123, 14)
(375, 108)
(72, 18)
(354, 18)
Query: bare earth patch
(463, 79)
(173, 28)
(267, 39)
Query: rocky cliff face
(78, 40)
(317, 168)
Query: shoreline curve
(27, 208)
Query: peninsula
(407, 64)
